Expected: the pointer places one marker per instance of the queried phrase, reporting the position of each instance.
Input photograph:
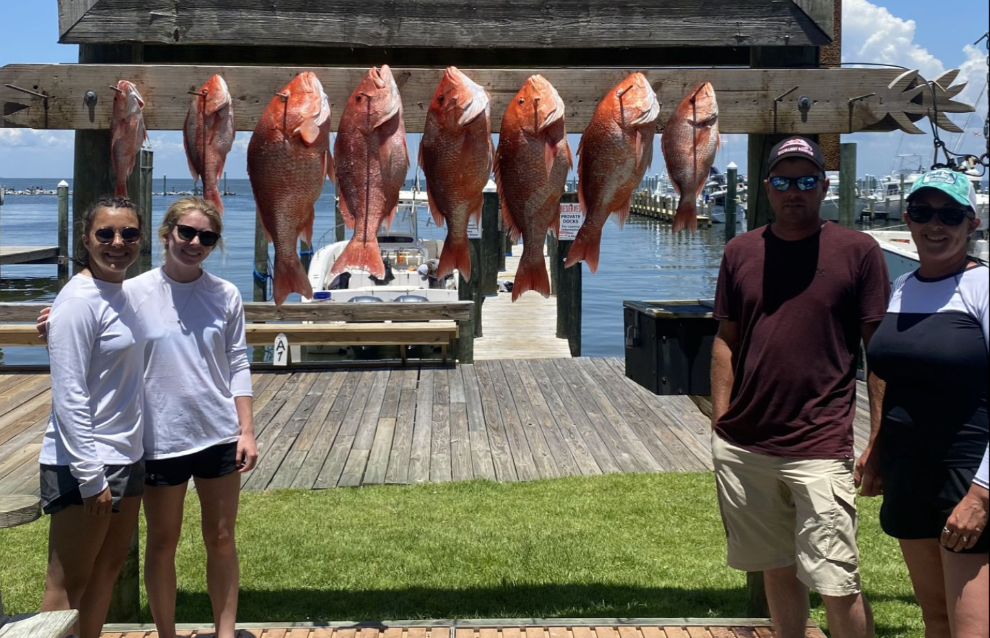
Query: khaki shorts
(780, 512)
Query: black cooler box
(669, 345)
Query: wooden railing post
(63, 233)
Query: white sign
(281, 355)
(570, 221)
(474, 231)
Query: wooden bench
(19, 510)
(315, 324)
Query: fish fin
(549, 154)
(456, 255)
(586, 247)
(121, 189)
(212, 194)
(532, 275)
(507, 218)
(190, 151)
(366, 255)
(289, 277)
(555, 220)
(309, 131)
(305, 229)
(391, 216)
(621, 211)
(639, 147)
(438, 217)
(476, 207)
(345, 212)
(687, 215)
(331, 167)
(570, 155)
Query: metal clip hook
(776, 101)
(852, 101)
(44, 98)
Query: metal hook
(776, 101)
(851, 101)
(44, 98)
(113, 88)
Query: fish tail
(289, 278)
(456, 255)
(121, 188)
(361, 254)
(532, 275)
(586, 247)
(211, 193)
(687, 215)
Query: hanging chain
(985, 160)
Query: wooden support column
(569, 290)
(490, 245)
(759, 213)
(125, 605)
(139, 188)
(261, 274)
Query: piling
(847, 184)
(261, 274)
(730, 201)
(569, 290)
(63, 233)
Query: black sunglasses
(950, 216)
(106, 234)
(206, 237)
(805, 183)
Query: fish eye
(357, 98)
(440, 99)
(522, 100)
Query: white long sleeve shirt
(96, 347)
(197, 362)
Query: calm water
(642, 261)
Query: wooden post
(338, 221)
(139, 188)
(730, 201)
(471, 290)
(261, 274)
(903, 194)
(125, 604)
(63, 233)
(490, 245)
(553, 252)
(756, 602)
(569, 301)
(847, 184)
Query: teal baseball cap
(952, 183)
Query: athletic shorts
(212, 463)
(60, 489)
(780, 512)
(919, 496)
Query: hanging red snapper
(127, 133)
(456, 156)
(531, 166)
(208, 136)
(689, 143)
(288, 161)
(615, 151)
(372, 160)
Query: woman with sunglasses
(199, 410)
(929, 457)
(92, 475)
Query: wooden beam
(354, 334)
(821, 13)
(746, 96)
(446, 23)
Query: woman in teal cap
(929, 456)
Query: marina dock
(10, 255)
(511, 420)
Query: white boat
(403, 252)
(901, 254)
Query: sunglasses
(106, 235)
(805, 183)
(206, 237)
(950, 216)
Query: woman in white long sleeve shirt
(92, 475)
(199, 410)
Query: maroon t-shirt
(799, 306)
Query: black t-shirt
(800, 306)
(932, 351)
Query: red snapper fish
(208, 136)
(615, 151)
(456, 156)
(288, 161)
(372, 160)
(689, 143)
(127, 133)
(531, 166)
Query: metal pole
(730, 201)
(847, 184)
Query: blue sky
(912, 33)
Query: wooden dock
(526, 329)
(644, 204)
(496, 420)
(550, 628)
(10, 255)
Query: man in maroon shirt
(794, 300)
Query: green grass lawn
(646, 546)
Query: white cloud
(871, 33)
(27, 138)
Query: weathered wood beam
(500, 24)
(821, 13)
(886, 99)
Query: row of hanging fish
(289, 158)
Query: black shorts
(919, 496)
(60, 489)
(212, 463)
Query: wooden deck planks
(506, 420)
